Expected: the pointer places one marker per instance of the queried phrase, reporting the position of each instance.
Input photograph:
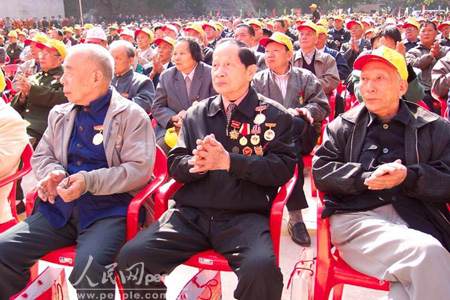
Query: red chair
(332, 272)
(25, 169)
(211, 260)
(66, 256)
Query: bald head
(88, 71)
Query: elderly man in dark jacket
(385, 169)
(130, 84)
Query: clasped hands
(57, 184)
(208, 156)
(387, 176)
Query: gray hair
(129, 48)
(97, 55)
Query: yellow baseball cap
(310, 25)
(411, 22)
(255, 22)
(313, 5)
(146, 31)
(322, 29)
(13, 34)
(59, 46)
(194, 26)
(37, 38)
(88, 26)
(166, 39)
(279, 38)
(322, 22)
(387, 56)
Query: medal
(235, 149)
(98, 137)
(259, 150)
(256, 129)
(269, 135)
(243, 141)
(254, 139)
(260, 117)
(234, 134)
(247, 151)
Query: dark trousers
(97, 247)
(244, 240)
(305, 138)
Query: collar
(418, 115)
(126, 74)
(99, 103)
(236, 102)
(282, 75)
(55, 71)
(191, 74)
(246, 106)
(403, 116)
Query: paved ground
(290, 254)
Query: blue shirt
(87, 154)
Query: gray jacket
(137, 87)
(440, 75)
(129, 144)
(420, 57)
(303, 90)
(172, 97)
(325, 67)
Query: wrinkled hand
(209, 155)
(387, 176)
(47, 187)
(72, 187)
(157, 65)
(22, 85)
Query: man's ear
(403, 87)
(251, 71)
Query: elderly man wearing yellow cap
(301, 93)
(314, 12)
(320, 64)
(162, 60)
(411, 27)
(39, 93)
(13, 49)
(32, 66)
(383, 167)
(145, 52)
(357, 43)
(444, 28)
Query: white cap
(128, 32)
(171, 27)
(96, 33)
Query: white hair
(129, 48)
(98, 55)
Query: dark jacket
(252, 181)
(422, 197)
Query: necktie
(229, 111)
(188, 85)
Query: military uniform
(46, 91)
(224, 210)
(13, 51)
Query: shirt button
(78, 162)
(85, 109)
(385, 150)
(385, 126)
(81, 128)
(78, 145)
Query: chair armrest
(276, 212)
(26, 167)
(323, 235)
(163, 195)
(29, 202)
(137, 202)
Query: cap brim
(157, 42)
(266, 40)
(365, 59)
(303, 26)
